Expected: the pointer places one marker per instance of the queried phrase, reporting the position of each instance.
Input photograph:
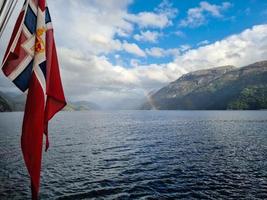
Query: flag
(31, 63)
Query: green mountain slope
(215, 89)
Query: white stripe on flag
(40, 76)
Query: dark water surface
(142, 155)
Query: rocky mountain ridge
(218, 88)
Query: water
(143, 155)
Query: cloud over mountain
(96, 74)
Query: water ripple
(143, 155)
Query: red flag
(31, 63)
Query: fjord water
(142, 155)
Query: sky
(116, 52)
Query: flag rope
(6, 16)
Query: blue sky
(239, 16)
(118, 51)
(236, 17)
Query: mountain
(4, 106)
(219, 88)
(14, 102)
(81, 106)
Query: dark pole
(5, 13)
(2, 7)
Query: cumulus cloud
(90, 25)
(149, 19)
(160, 52)
(135, 62)
(95, 25)
(239, 50)
(133, 48)
(185, 47)
(147, 36)
(203, 42)
(155, 52)
(198, 16)
(160, 18)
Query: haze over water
(142, 155)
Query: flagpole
(6, 11)
(2, 7)
(5, 5)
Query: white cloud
(204, 42)
(150, 19)
(185, 47)
(95, 25)
(160, 52)
(134, 62)
(133, 48)
(149, 36)
(197, 16)
(160, 18)
(173, 52)
(155, 52)
(90, 25)
(238, 50)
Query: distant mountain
(14, 102)
(81, 106)
(215, 89)
(4, 106)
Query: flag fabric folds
(31, 63)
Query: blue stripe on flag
(30, 20)
(47, 16)
(23, 80)
(43, 68)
